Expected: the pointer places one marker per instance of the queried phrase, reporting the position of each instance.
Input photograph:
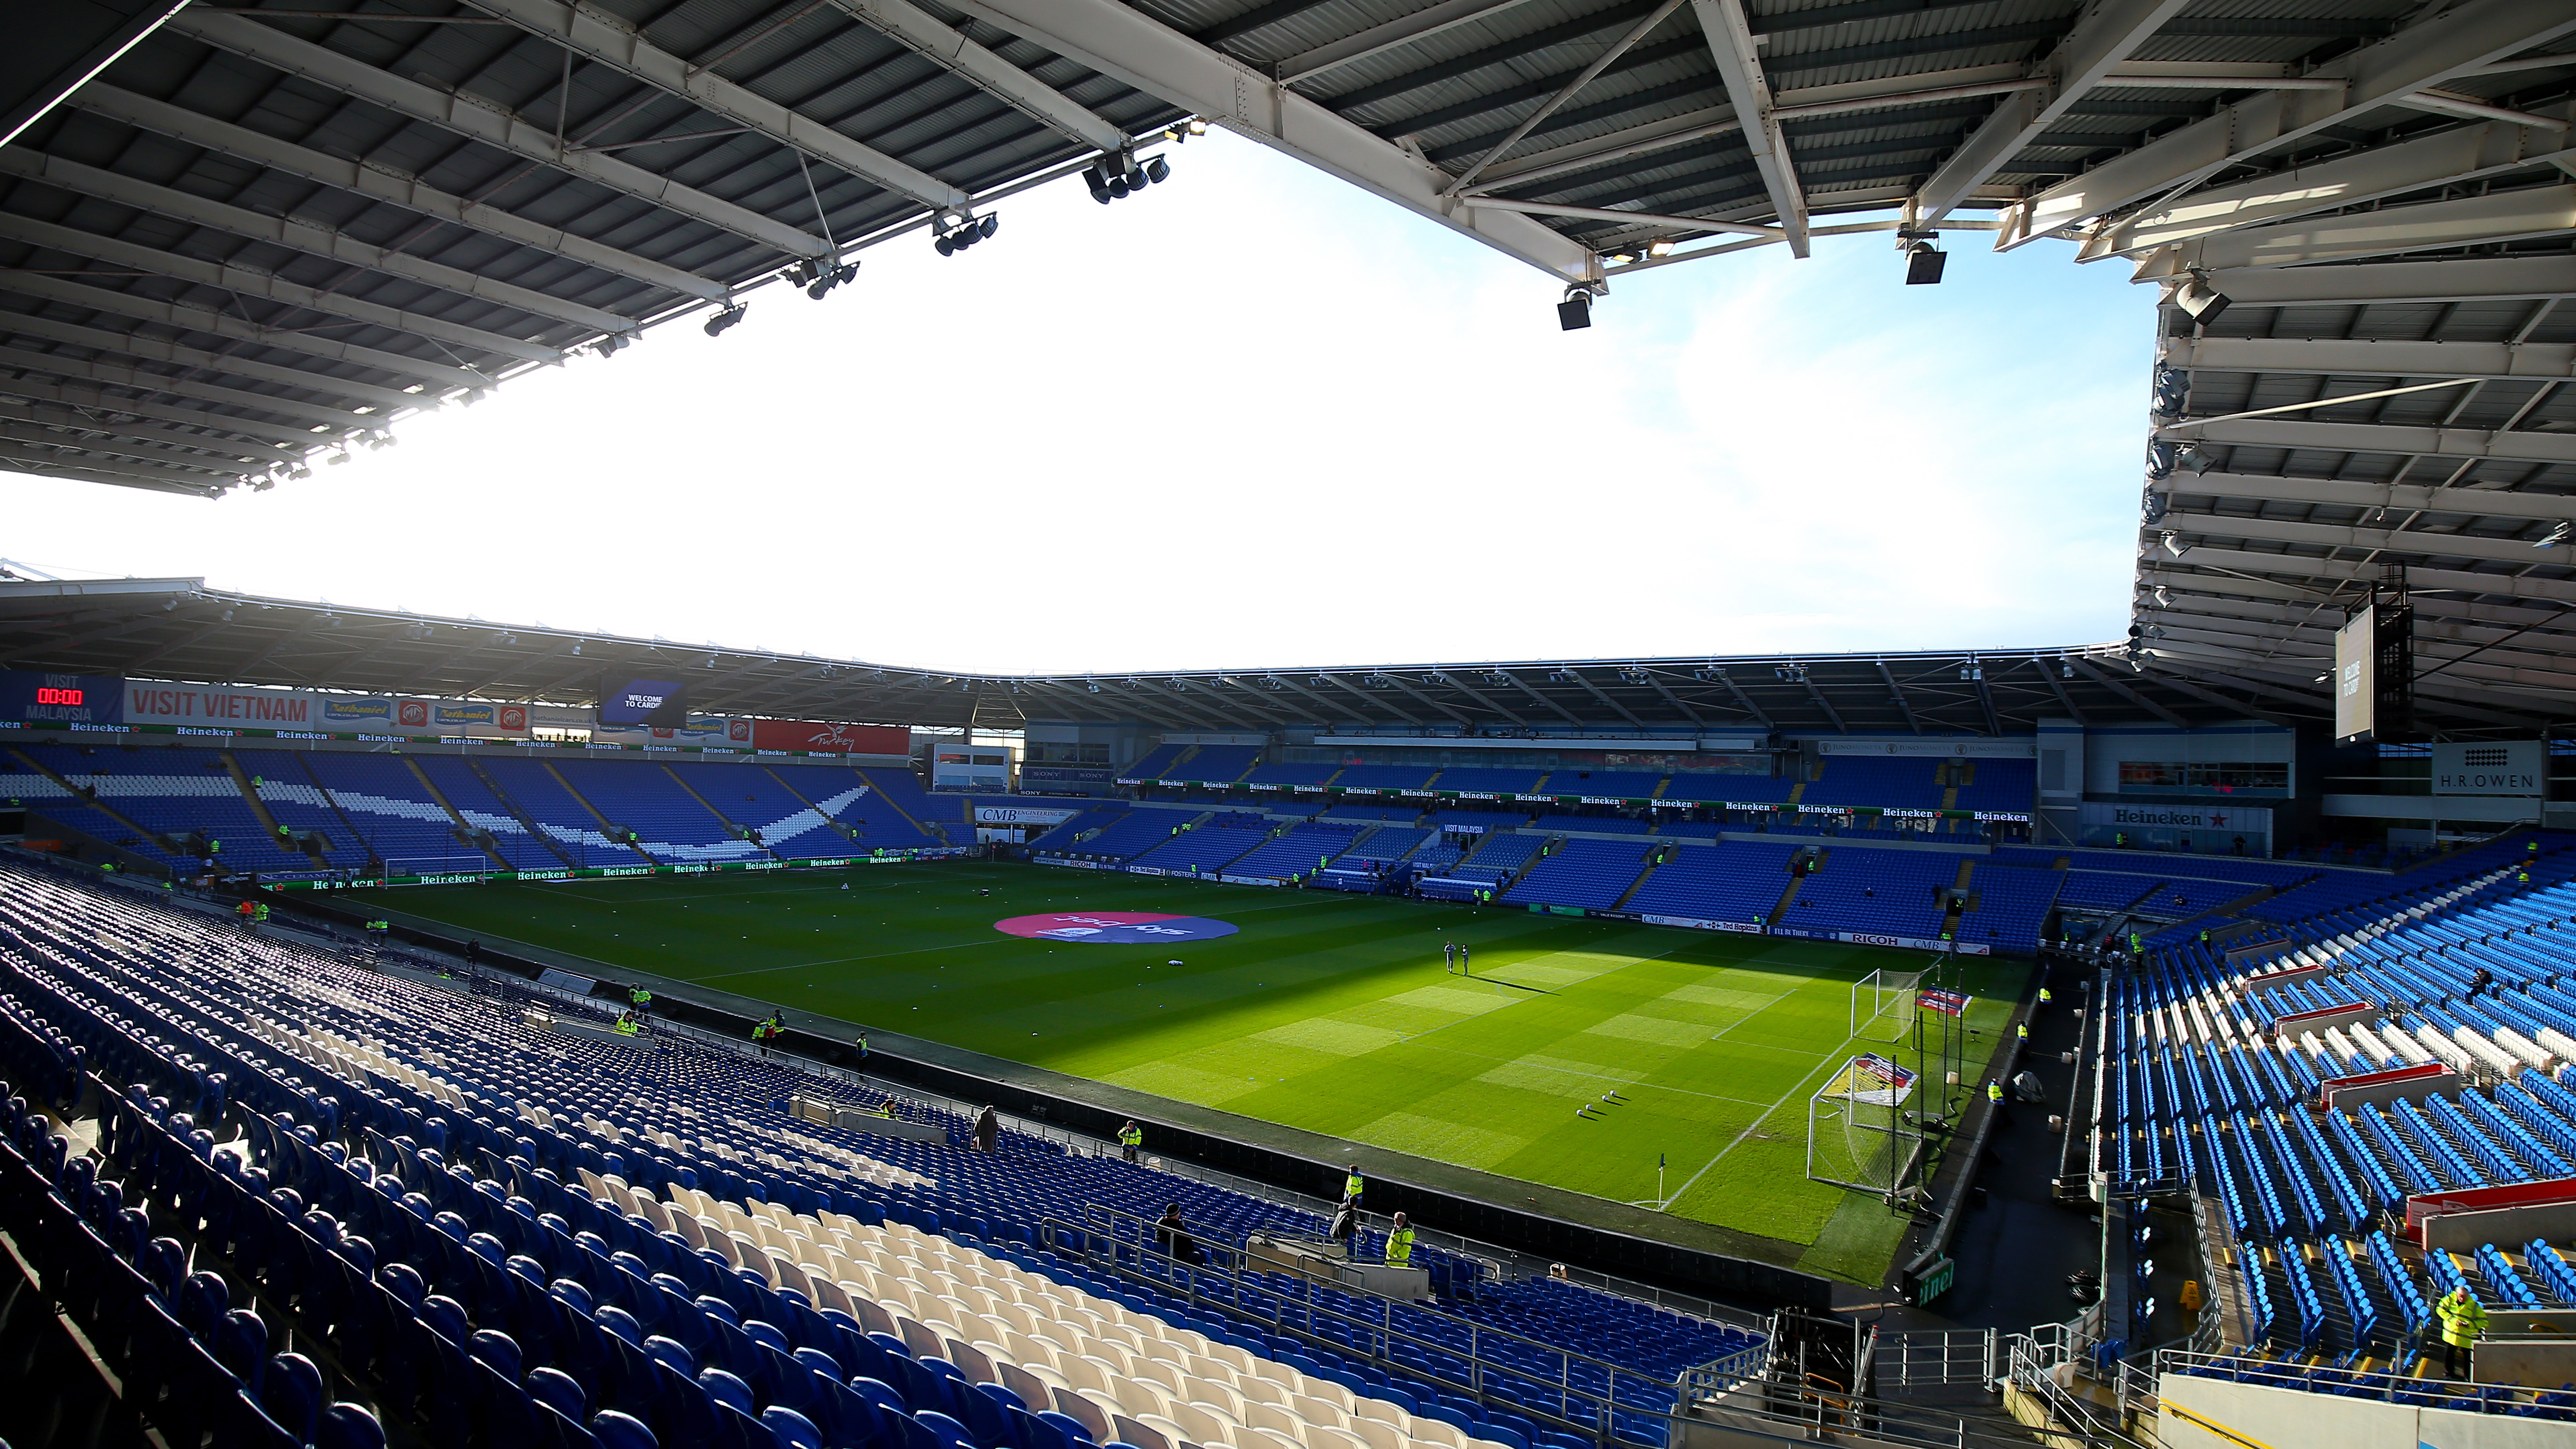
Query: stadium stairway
(469, 781)
(259, 811)
(1789, 893)
(162, 849)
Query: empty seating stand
(478, 1234)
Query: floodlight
(1923, 264)
(2160, 458)
(2164, 597)
(1094, 178)
(722, 320)
(1158, 170)
(2195, 459)
(1196, 127)
(990, 225)
(2200, 301)
(1575, 312)
(2169, 540)
(2558, 535)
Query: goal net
(1857, 1136)
(1882, 1005)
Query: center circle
(1115, 928)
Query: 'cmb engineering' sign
(2514, 768)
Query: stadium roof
(179, 629)
(232, 235)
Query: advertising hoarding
(834, 739)
(2515, 768)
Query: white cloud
(1252, 417)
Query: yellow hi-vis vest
(1399, 1247)
(2463, 1318)
(1132, 1137)
(1353, 1185)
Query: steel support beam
(17, 426)
(2531, 278)
(952, 51)
(2334, 357)
(2390, 439)
(2172, 680)
(58, 406)
(1134, 49)
(1593, 151)
(2122, 689)
(2347, 571)
(127, 433)
(109, 374)
(2501, 216)
(1379, 39)
(1897, 693)
(2479, 502)
(302, 236)
(384, 400)
(487, 123)
(2446, 158)
(87, 469)
(2425, 54)
(366, 178)
(2341, 535)
(1644, 219)
(56, 27)
(229, 324)
(1739, 68)
(251, 282)
(2107, 35)
(609, 40)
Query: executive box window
(2228, 777)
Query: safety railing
(2395, 1388)
(1390, 1335)
(1935, 1359)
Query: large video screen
(2356, 677)
(624, 700)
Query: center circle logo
(1116, 928)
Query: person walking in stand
(862, 1045)
(640, 999)
(1399, 1243)
(2464, 1318)
(1353, 1186)
(1173, 1237)
(1130, 1138)
(1346, 1224)
(988, 1132)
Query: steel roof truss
(488, 123)
(2107, 34)
(1739, 68)
(2428, 53)
(227, 324)
(366, 178)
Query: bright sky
(1252, 418)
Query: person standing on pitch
(1462, 960)
(1130, 1138)
(1449, 957)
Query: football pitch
(1323, 1011)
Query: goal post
(1882, 1005)
(1857, 1133)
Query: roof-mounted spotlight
(1923, 262)
(2199, 301)
(612, 344)
(965, 234)
(2556, 536)
(825, 281)
(1575, 312)
(2162, 454)
(2171, 541)
(724, 320)
(2164, 597)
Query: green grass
(1325, 1012)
